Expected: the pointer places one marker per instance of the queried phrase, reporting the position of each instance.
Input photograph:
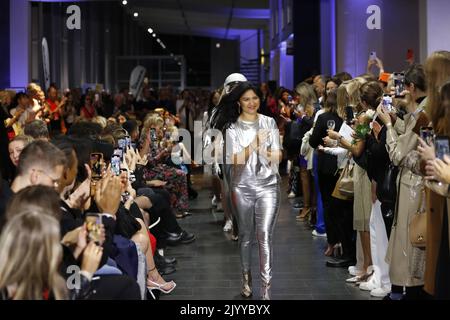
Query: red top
(53, 106)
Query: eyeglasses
(55, 182)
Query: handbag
(344, 188)
(387, 192)
(418, 226)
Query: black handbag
(388, 188)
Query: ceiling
(216, 18)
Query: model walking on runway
(254, 150)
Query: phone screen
(96, 160)
(93, 227)
(153, 134)
(122, 143)
(442, 147)
(399, 84)
(115, 165)
(427, 135)
(387, 103)
(373, 55)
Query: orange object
(384, 77)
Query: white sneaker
(316, 234)
(228, 226)
(380, 292)
(291, 195)
(214, 201)
(353, 271)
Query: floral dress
(176, 179)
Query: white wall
(438, 25)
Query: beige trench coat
(406, 263)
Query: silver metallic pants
(256, 207)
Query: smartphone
(96, 162)
(96, 97)
(115, 165)
(128, 141)
(118, 152)
(442, 146)
(93, 227)
(290, 99)
(349, 115)
(122, 143)
(373, 55)
(399, 83)
(427, 135)
(387, 102)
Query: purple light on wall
(333, 36)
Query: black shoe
(168, 269)
(163, 261)
(187, 237)
(184, 237)
(340, 263)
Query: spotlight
(218, 45)
(150, 30)
(154, 35)
(135, 14)
(124, 2)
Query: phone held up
(399, 83)
(427, 135)
(93, 227)
(96, 164)
(387, 103)
(373, 56)
(442, 146)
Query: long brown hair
(437, 69)
(31, 255)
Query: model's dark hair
(228, 109)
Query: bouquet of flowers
(363, 128)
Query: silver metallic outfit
(255, 192)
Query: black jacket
(327, 164)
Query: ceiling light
(218, 45)
(124, 2)
(150, 30)
(171, 54)
(135, 14)
(154, 35)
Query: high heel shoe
(304, 215)
(265, 291)
(246, 291)
(156, 286)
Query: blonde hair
(23, 138)
(100, 120)
(306, 91)
(437, 69)
(31, 255)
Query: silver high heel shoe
(265, 291)
(246, 291)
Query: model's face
(15, 149)
(249, 102)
